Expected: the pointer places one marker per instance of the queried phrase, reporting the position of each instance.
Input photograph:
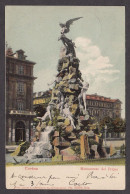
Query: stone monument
(67, 112)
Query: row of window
(20, 106)
(94, 112)
(101, 104)
(20, 69)
(118, 106)
(20, 87)
(99, 112)
(20, 90)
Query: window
(11, 68)
(20, 69)
(29, 71)
(20, 105)
(20, 87)
(20, 55)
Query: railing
(22, 112)
(114, 135)
(115, 138)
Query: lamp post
(32, 129)
(105, 127)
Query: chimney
(9, 51)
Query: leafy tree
(113, 125)
(119, 125)
(40, 110)
(123, 150)
(108, 122)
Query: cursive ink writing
(111, 176)
(34, 180)
(93, 176)
(20, 180)
(51, 178)
(14, 184)
(75, 182)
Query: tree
(113, 125)
(119, 125)
(108, 122)
(40, 110)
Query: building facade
(98, 106)
(40, 101)
(19, 97)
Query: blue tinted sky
(99, 37)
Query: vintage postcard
(65, 97)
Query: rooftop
(18, 55)
(88, 96)
(101, 98)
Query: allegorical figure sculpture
(69, 45)
(61, 100)
(82, 95)
(67, 114)
(48, 112)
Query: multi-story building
(42, 97)
(98, 106)
(19, 96)
(40, 101)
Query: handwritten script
(21, 180)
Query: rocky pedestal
(74, 134)
(67, 113)
(67, 117)
(74, 137)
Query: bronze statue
(69, 45)
(66, 27)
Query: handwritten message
(66, 177)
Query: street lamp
(105, 127)
(32, 129)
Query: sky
(99, 38)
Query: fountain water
(40, 149)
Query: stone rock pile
(73, 139)
(71, 118)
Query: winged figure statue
(66, 27)
(69, 45)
